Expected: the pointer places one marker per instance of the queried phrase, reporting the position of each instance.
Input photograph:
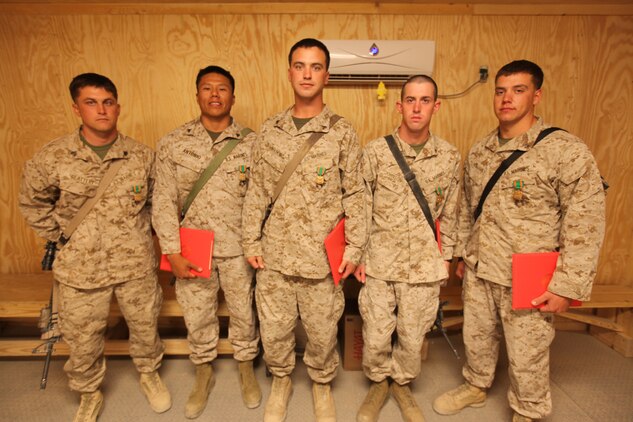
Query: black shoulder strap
(409, 176)
(504, 166)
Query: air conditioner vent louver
(372, 61)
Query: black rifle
(48, 323)
(438, 324)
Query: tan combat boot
(251, 393)
(90, 407)
(324, 410)
(408, 407)
(376, 397)
(157, 394)
(455, 400)
(277, 404)
(199, 395)
(517, 417)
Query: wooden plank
(245, 8)
(593, 320)
(555, 9)
(176, 347)
(452, 295)
(453, 321)
(623, 344)
(25, 294)
(610, 296)
(561, 8)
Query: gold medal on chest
(439, 198)
(242, 169)
(320, 179)
(137, 191)
(517, 191)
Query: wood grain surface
(154, 58)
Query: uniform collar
(119, 149)
(196, 129)
(522, 142)
(319, 123)
(429, 150)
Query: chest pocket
(391, 179)
(390, 190)
(520, 190)
(236, 176)
(188, 170)
(434, 183)
(75, 192)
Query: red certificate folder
(335, 248)
(197, 246)
(531, 274)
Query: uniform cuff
(352, 254)
(253, 249)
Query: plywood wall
(153, 60)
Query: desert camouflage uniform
(562, 209)
(297, 272)
(404, 265)
(182, 156)
(110, 252)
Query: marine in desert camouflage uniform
(293, 278)
(403, 265)
(550, 199)
(183, 155)
(110, 253)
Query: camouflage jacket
(306, 210)
(402, 246)
(182, 156)
(561, 206)
(114, 242)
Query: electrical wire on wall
(483, 77)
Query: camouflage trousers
(416, 310)
(281, 299)
(198, 299)
(528, 335)
(83, 318)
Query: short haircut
(219, 70)
(419, 79)
(91, 79)
(309, 43)
(523, 66)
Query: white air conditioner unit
(372, 61)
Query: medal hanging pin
(242, 169)
(320, 180)
(136, 190)
(517, 193)
(439, 196)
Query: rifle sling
(505, 164)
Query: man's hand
(256, 262)
(447, 265)
(346, 269)
(553, 302)
(360, 273)
(461, 267)
(181, 267)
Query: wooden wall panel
(153, 60)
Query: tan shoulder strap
(296, 159)
(107, 178)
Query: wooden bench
(617, 299)
(22, 296)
